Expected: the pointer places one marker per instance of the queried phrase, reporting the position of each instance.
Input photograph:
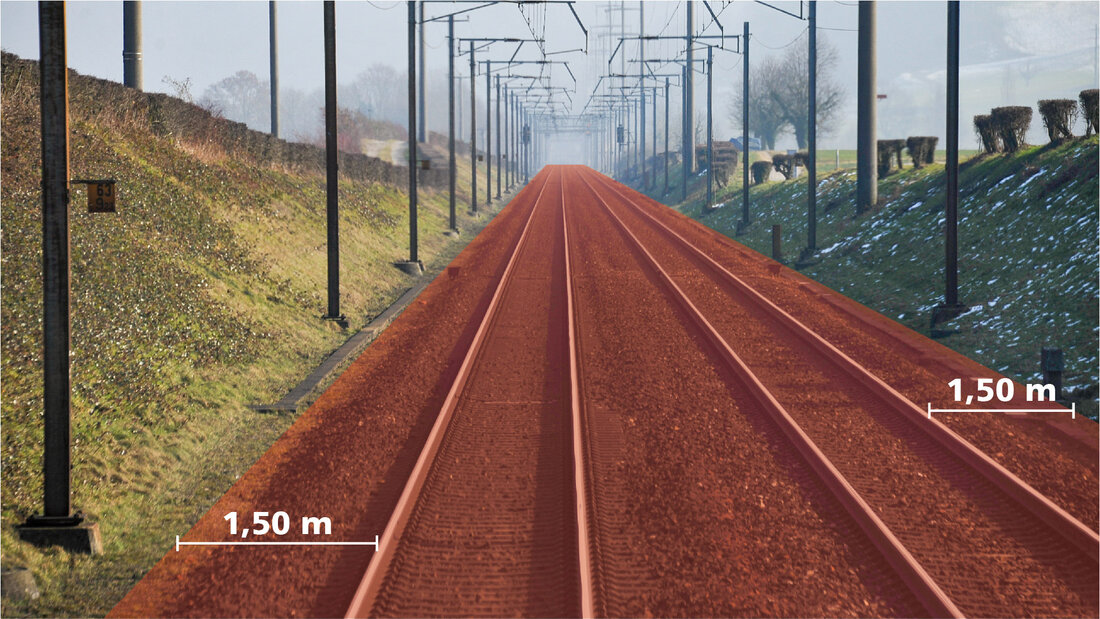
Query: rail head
(926, 590)
(580, 470)
(366, 593)
(1065, 524)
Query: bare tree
(242, 97)
(766, 117)
(792, 91)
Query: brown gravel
(700, 505)
(347, 458)
(703, 510)
(991, 557)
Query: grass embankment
(1027, 251)
(202, 295)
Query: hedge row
(1004, 128)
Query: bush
(987, 134)
(761, 170)
(784, 164)
(1012, 123)
(922, 149)
(1088, 108)
(1058, 117)
(888, 151)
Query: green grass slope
(1027, 251)
(201, 295)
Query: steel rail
(920, 583)
(580, 471)
(367, 592)
(1062, 522)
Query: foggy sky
(1013, 53)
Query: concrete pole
(131, 44)
(488, 132)
(273, 72)
(811, 121)
(422, 126)
(951, 207)
(710, 127)
(414, 163)
(54, 107)
(452, 169)
(641, 88)
(331, 186)
(667, 101)
(473, 130)
(745, 129)
(689, 90)
(687, 137)
(683, 129)
(867, 153)
(653, 99)
(499, 160)
(507, 151)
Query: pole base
(341, 320)
(807, 258)
(454, 232)
(410, 267)
(73, 533)
(742, 226)
(945, 313)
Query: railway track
(493, 519)
(963, 532)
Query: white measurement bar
(1072, 410)
(374, 543)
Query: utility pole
(131, 44)
(744, 223)
(499, 160)
(412, 266)
(951, 306)
(451, 162)
(811, 165)
(507, 151)
(710, 127)
(57, 526)
(332, 190)
(653, 177)
(641, 88)
(422, 127)
(688, 137)
(666, 137)
(273, 73)
(473, 131)
(867, 147)
(488, 132)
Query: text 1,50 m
(278, 523)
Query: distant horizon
(999, 66)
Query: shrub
(885, 162)
(761, 170)
(1011, 123)
(987, 135)
(1058, 117)
(1088, 108)
(922, 149)
(784, 164)
(888, 151)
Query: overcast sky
(1012, 52)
